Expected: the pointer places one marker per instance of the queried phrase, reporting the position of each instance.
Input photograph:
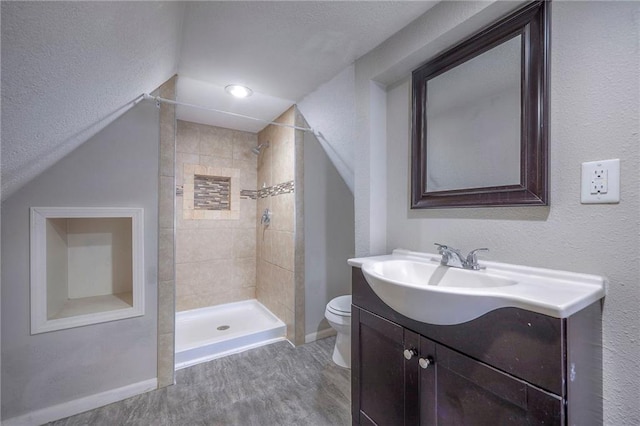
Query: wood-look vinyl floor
(271, 385)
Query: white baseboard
(312, 337)
(81, 405)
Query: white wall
(442, 26)
(117, 167)
(595, 98)
(331, 110)
(328, 234)
(328, 196)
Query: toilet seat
(340, 306)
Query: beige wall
(57, 265)
(215, 258)
(166, 236)
(99, 254)
(275, 269)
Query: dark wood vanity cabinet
(382, 369)
(508, 367)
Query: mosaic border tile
(279, 189)
(253, 194)
(249, 194)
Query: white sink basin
(417, 286)
(431, 274)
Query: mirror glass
(473, 121)
(480, 114)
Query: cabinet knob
(425, 362)
(410, 353)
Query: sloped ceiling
(71, 68)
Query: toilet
(338, 313)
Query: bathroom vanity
(510, 365)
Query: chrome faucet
(450, 256)
(453, 257)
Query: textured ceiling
(70, 68)
(282, 50)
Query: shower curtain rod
(158, 99)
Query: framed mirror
(480, 118)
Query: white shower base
(213, 332)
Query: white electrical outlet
(601, 182)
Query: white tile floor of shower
(208, 333)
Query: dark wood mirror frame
(532, 22)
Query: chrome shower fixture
(266, 217)
(256, 150)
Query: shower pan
(213, 332)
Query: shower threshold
(208, 333)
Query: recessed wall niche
(210, 193)
(86, 266)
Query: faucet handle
(472, 258)
(450, 256)
(444, 248)
(441, 247)
(447, 251)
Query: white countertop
(550, 292)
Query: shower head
(256, 150)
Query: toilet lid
(341, 305)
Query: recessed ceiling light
(238, 90)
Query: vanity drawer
(473, 393)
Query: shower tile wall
(166, 232)
(215, 258)
(275, 270)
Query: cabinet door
(379, 376)
(472, 393)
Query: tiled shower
(276, 244)
(224, 254)
(215, 226)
